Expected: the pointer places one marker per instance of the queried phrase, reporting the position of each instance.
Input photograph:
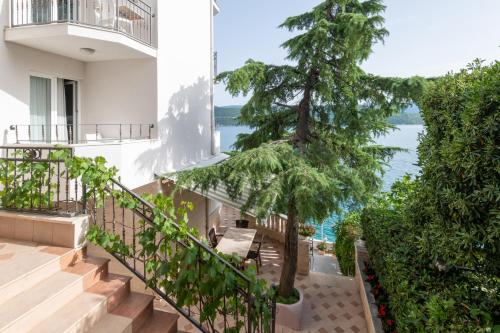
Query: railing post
(120, 132)
(117, 15)
(84, 198)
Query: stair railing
(41, 175)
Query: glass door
(40, 109)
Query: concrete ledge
(373, 322)
(46, 229)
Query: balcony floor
(67, 39)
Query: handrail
(190, 237)
(51, 190)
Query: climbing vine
(177, 262)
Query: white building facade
(130, 80)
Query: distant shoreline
(227, 116)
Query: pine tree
(314, 121)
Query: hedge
(435, 242)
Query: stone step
(81, 313)
(111, 323)
(160, 322)
(137, 307)
(24, 264)
(30, 307)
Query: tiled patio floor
(332, 301)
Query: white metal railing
(131, 17)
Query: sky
(427, 37)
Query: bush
(434, 242)
(347, 231)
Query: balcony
(82, 133)
(86, 30)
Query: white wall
(120, 92)
(126, 157)
(184, 82)
(16, 65)
(174, 92)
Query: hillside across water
(228, 115)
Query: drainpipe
(212, 79)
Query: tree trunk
(287, 279)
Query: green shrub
(435, 242)
(347, 231)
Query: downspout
(212, 80)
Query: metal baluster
(49, 158)
(7, 171)
(120, 132)
(58, 182)
(130, 132)
(133, 238)
(113, 204)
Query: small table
(237, 241)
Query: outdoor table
(237, 241)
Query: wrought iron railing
(130, 17)
(36, 179)
(82, 133)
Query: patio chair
(212, 238)
(254, 254)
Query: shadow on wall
(184, 131)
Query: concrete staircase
(60, 289)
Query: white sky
(427, 37)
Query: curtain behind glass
(60, 132)
(40, 106)
(41, 11)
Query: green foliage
(314, 120)
(174, 260)
(294, 298)
(190, 275)
(434, 242)
(347, 231)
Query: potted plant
(322, 247)
(289, 310)
(307, 230)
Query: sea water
(406, 137)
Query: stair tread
(132, 306)
(108, 285)
(160, 322)
(86, 265)
(77, 310)
(18, 259)
(18, 306)
(112, 323)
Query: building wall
(122, 91)
(16, 64)
(174, 91)
(184, 82)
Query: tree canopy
(314, 122)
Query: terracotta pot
(290, 315)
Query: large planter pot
(290, 315)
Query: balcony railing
(82, 133)
(130, 17)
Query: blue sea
(406, 136)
